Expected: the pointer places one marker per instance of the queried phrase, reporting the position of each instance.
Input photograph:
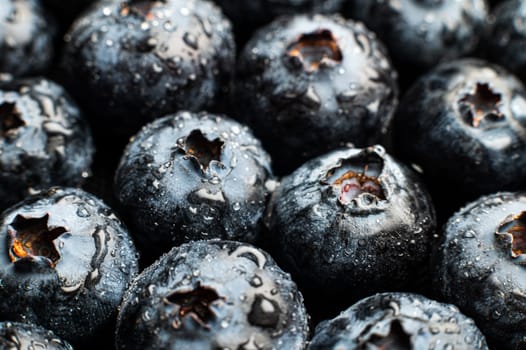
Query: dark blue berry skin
(22, 336)
(464, 125)
(479, 263)
(247, 16)
(310, 84)
(422, 33)
(132, 61)
(505, 37)
(354, 221)
(212, 295)
(190, 177)
(258, 12)
(44, 140)
(65, 263)
(26, 37)
(398, 321)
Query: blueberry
(398, 321)
(421, 33)
(130, 61)
(309, 84)
(353, 221)
(506, 37)
(26, 37)
(480, 266)
(65, 262)
(44, 139)
(193, 176)
(21, 336)
(464, 125)
(212, 295)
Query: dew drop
(256, 281)
(264, 312)
(157, 68)
(82, 212)
(190, 40)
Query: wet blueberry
(131, 61)
(65, 262)
(398, 321)
(464, 125)
(506, 37)
(26, 37)
(310, 84)
(354, 221)
(193, 176)
(421, 33)
(44, 139)
(22, 336)
(480, 264)
(213, 295)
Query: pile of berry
(262, 174)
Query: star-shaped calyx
(356, 176)
(141, 8)
(202, 150)
(481, 105)
(195, 303)
(31, 237)
(513, 232)
(315, 49)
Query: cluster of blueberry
(147, 167)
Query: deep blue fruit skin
(332, 241)
(398, 321)
(212, 295)
(258, 12)
(132, 61)
(480, 268)
(190, 177)
(464, 124)
(421, 33)
(26, 37)
(310, 84)
(44, 140)
(22, 336)
(65, 263)
(505, 37)
(246, 16)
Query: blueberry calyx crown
(396, 338)
(31, 238)
(195, 304)
(512, 231)
(482, 105)
(357, 176)
(141, 8)
(10, 119)
(315, 49)
(202, 150)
